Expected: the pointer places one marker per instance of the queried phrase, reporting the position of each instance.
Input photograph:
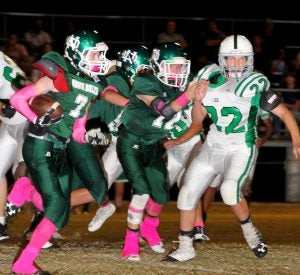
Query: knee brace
(230, 193)
(136, 208)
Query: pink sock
(36, 199)
(131, 244)
(42, 233)
(199, 223)
(153, 208)
(149, 230)
(24, 191)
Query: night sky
(187, 8)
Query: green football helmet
(86, 52)
(170, 65)
(132, 60)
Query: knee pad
(229, 192)
(187, 200)
(136, 208)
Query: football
(41, 104)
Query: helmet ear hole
(86, 52)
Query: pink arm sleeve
(19, 100)
(79, 129)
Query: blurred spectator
(61, 34)
(17, 52)
(279, 67)
(262, 62)
(295, 66)
(36, 38)
(292, 101)
(211, 39)
(170, 35)
(292, 98)
(272, 42)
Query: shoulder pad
(147, 85)
(46, 66)
(251, 85)
(207, 72)
(58, 59)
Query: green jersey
(138, 118)
(82, 91)
(108, 112)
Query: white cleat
(159, 248)
(102, 214)
(132, 258)
(184, 252)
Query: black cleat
(261, 250)
(11, 209)
(3, 232)
(38, 216)
(39, 272)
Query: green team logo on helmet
(170, 65)
(86, 52)
(132, 60)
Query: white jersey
(233, 108)
(11, 130)
(9, 72)
(229, 148)
(178, 157)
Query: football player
(75, 80)
(232, 97)
(12, 127)
(154, 100)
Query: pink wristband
(182, 100)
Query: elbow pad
(162, 108)
(269, 100)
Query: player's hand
(7, 110)
(172, 143)
(40, 127)
(97, 137)
(201, 90)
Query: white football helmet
(236, 46)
